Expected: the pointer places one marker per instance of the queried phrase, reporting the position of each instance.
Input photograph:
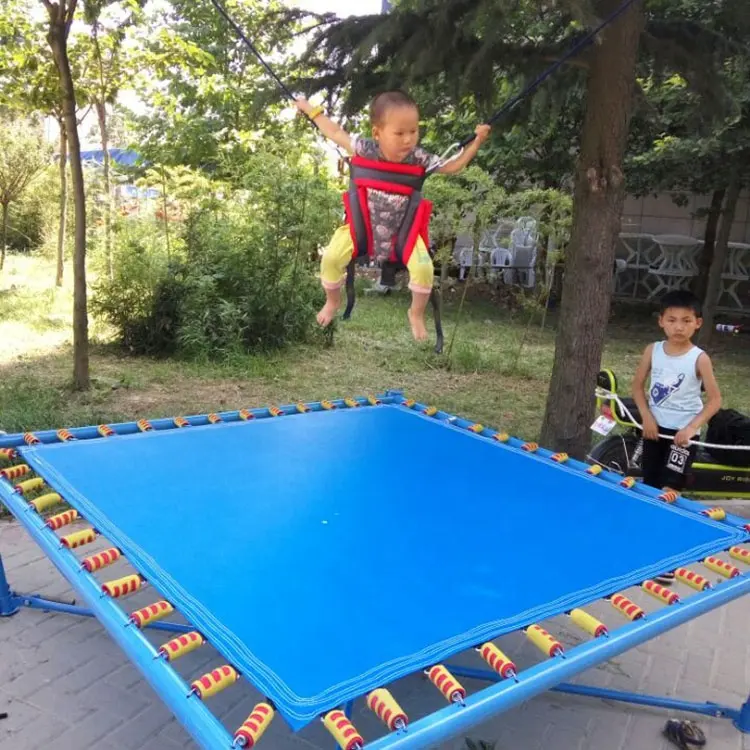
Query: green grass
(498, 374)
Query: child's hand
(683, 437)
(303, 105)
(482, 133)
(650, 428)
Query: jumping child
(394, 118)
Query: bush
(241, 277)
(141, 302)
(244, 289)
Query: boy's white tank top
(675, 392)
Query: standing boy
(678, 371)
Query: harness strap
(389, 177)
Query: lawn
(498, 373)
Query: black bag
(729, 427)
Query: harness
(390, 177)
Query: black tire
(613, 453)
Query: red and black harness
(390, 177)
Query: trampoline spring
(716, 514)
(7, 454)
(302, 408)
(741, 554)
(342, 730)
(670, 496)
(30, 439)
(501, 437)
(101, 559)
(327, 405)
(351, 403)
(530, 447)
(65, 436)
(254, 726)
(498, 660)
(628, 608)
(695, 581)
(78, 538)
(214, 418)
(544, 641)
(181, 422)
(721, 567)
(430, 411)
(122, 586)
(446, 683)
(144, 425)
(387, 709)
(274, 411)
(214, 682)
(181, 645)
(660, 592)
(62, 519)
(151, 613)
(29, 485)
(373, 401)
(15, 472)
(246, 415)
(105, 430)
(588, 622)
(45, 502)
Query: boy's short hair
(385, 101)
(681, 298)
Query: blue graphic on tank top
(660, 392)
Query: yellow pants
(338, 254)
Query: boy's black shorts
(666, 464)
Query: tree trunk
(58, 41)
(700, 283)
(713, 288)
(599, 197)
(4, 235)
(101, 113)
(63, 204)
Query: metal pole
(8, 603)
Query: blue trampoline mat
(330, 553)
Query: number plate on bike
(603, 425)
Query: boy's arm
(463, 159)
(713, 394)
(650, 428)
(330, 129)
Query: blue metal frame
(186, 706)
(437, 727)
(740, 717)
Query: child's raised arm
(454, 166)
(330, 129)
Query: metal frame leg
(8, 602)
(11, 603)
(739, 717)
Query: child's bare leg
(421, 276)
(333, 302)
(416, 315)
(336, 258)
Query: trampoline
(271, 533)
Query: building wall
(660, 215)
